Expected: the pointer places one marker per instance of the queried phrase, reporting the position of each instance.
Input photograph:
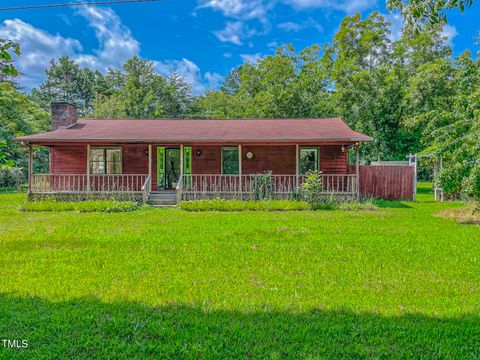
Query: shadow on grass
(392, 204)
(87, 328)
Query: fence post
(357, 169)
(415, 160)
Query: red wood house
(191, 159)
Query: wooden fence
(387, 181)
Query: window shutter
(161, 166)
(187, 160)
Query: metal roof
(201, 131)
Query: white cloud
(450, 32)
(235, 32)
(116, 44)
(293, 26)
(251, 58)
(239, 9)
(191, 73)
(38, 48)
(348, 6)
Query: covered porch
(194, 171)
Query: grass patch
(237, 205)
(399, 282)
(367, 205)
(107, 206)
(467, 214)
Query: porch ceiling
(202, 131)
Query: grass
(107, 206)
(399, 282)
(469, 214)
(237, 205)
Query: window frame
(317, 150)
(105, 161)
(221, 159)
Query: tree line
(409, 93)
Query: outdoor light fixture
(146, 152)
(343, 148)
(198, 152)
(249, 155)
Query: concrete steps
(162, 198)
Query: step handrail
(146, 188)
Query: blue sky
(200, 39)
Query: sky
(200, 39)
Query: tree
(430, 12)
(18, 116)
(7, 68)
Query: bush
(237, 205)
(106, 206)
(312, 189)
(263, 186)
(11, 178)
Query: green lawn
(393, 283)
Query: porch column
(150, 167)
(357, 169)
(30, 168)
(88, 167)
(297, 167)
(180, 184)
(240, 168)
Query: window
(105, 160)
(230, 160)
(308, 160)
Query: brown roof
(190, 131)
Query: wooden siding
(68, 159)
(333, 160)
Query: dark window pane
(230, 161)
(308, 160)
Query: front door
(168, 166)
(172, 168)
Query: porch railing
(282, 185)
(81, 183)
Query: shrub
(106, 206)
(11, 177)
(263, 186)
(237, 205)
(312, 189)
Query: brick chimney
(63, 114)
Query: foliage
(11, 177)
(315, 284)
(18, 116)
(311, 190)
(107, 206)
(7, 68)
(431, 12)
(263, 186)
(237, 205)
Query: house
(167, 159)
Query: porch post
(150, 167)
(30, 168)
(240, 168)
(88, 167)
(357, 169)
(297, 167)
(180, 184)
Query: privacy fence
(391, 182)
